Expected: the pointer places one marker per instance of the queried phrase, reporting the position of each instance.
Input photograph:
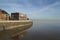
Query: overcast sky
(35, 9)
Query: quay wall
(12, 24)
(13, 28)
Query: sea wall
(13, 28)
(12, 24)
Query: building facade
(18, 16)
(4, 15)
(15, 16)
(22, 16)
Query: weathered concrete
(12, 24)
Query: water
(44, 30)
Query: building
(18, 16)
(4, 15)
(22, 16)
(15, 16)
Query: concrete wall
(9, 24)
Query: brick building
(4, 15)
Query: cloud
(33, 8)
(49, 10)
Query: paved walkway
(16, 21)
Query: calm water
(44, 30)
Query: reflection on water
(44, 30)
(41, 30)
(19, 37)
(14, 32)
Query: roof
(4, 12)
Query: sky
(34, 9)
